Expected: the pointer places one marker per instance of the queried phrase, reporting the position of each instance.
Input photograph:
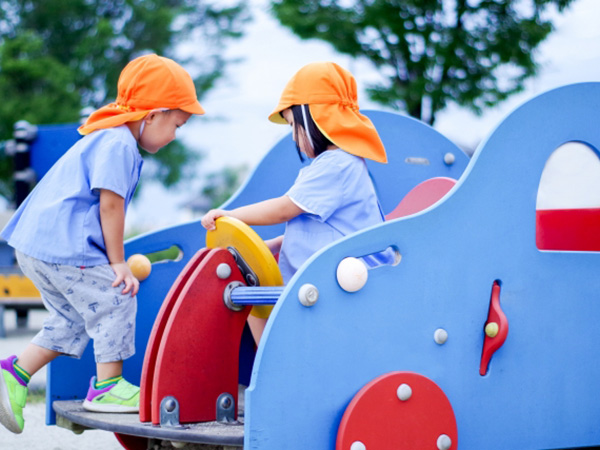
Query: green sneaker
(122, 397)
(13, 396)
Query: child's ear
(151, 116)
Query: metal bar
(259, 295)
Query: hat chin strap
(306, 130)
(142, 128)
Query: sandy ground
(37, 435)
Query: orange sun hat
(330, 93)
(147, 83)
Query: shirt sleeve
(318, 190)
(112, 167)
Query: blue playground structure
(479, 337)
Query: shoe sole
(106, 408)
(7, 417)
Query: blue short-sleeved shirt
(59, 222)
(338, 196)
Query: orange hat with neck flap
(330, 93)
(147, 83)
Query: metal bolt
(226, 402)
(170, 405)
(440, 336)
(308, 294)
(251, 280)
(223, 271)
(444, 442)
(449, 158)
(357, 445)
(404, 392)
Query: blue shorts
(83, 305)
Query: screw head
(404, 392)
(251, 280)
(440, 336)
(308, 294)
(444, 442)
(357, 445)
(223, 271)
(449, 158)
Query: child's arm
(268, 212)
(112, 220)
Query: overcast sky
(236, 131)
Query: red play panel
(422, 196)
(157, 334)
(198, 355)
(568, 229)
(377, 418)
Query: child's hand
(124, 275)
(208, 221)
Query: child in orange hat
(333, 196)
(68, 237)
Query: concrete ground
(37, 435)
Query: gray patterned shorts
(83, 305)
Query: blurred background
(460, 66)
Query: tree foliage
(61, 55)
(431, 52)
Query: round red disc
(378, 419)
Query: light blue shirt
(59, 222)
(338, 196)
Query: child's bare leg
(109, 370)
(35, 357)
(257, 326)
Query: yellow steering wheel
(234, 234)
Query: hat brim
(276, 116)
(192, 108)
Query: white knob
(352, 274)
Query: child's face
(298, 134)
(160, 129)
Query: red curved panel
(379, 419)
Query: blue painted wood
(403, 137)
(541, 390)
(51, 143)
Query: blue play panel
(475, 339)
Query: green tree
(220, 186)
(59, 56)
(431, 52)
